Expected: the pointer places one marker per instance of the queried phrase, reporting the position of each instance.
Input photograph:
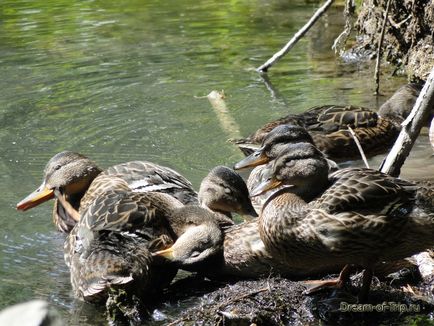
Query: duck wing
(330, 118)
(368, 191)
(144, 176)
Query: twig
(398, 25)
(177, 321)
(245, 295)
(278, 55)
(380, 45)
(359, 146)
(410, 129)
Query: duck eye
(57, 167)
(194, 254)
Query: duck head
(272, 144)
(199, 237)
(302, 167)
(223, 190)
(68, 172)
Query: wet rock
(32, 313)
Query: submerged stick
(410, 129)
(278, 55)
(359, 146)
(226, 121)
(380, 45)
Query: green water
(125, 80)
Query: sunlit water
(120, 81)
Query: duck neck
(222, 218)
(280, 216)
(286, 199)
(65, 222)
(307, 191)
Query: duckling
(328, 126)
(361, 217)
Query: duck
(261, 159)
(109, 250)
(329, 126)
(243, 255)
(72, 173)
(352, 217)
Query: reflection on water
(122, 81)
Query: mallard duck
(361, 217)
(224, 191)
(261, 159)
(108, 251)
(73, 173)
(328, 126)
(241, 255)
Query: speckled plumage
(363, 216)
(110, 245)
(328, 126)
(73, 173)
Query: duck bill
(40, 195)
(249, 213)
(265, 186)
(254, 159)
(166, 253)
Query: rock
(31, 313)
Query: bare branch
(359, 146)
(278, 55)
(380, 45)
(410, 129)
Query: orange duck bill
(37, 197)
(166, 253)
(264, 186)
(256, 158)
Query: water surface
(125, 80)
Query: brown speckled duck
(361, 218)
(328, 126)
(72, 174)
(261, 159)
(109, 250)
